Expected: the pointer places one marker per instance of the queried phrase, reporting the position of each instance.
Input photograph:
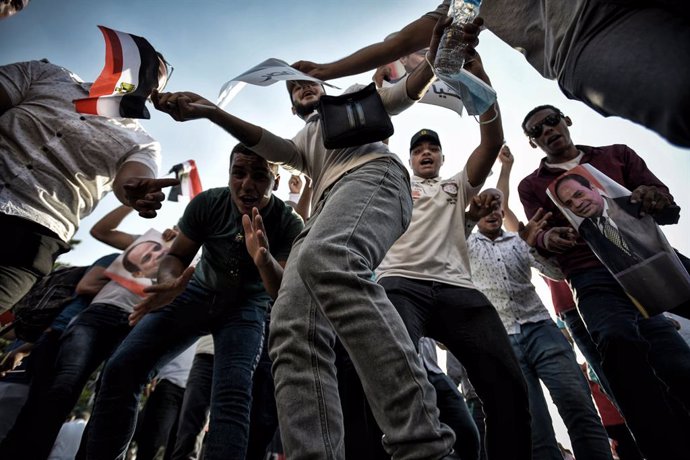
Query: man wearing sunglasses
(645, 361)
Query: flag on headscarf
(190, 184)
(129, 76)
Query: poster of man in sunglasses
(137, 267)
(627, 241)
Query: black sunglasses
(551, 120)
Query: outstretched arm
(491, 132)
(184, 106)
(411, 38)
(105, 230)
(510, 220)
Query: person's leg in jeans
(157, 419)
(614, 325)
(237, 342)
(328, 286)
(158, 337)
(195, 408)
(87, 342)
(454, 412)
(553, 360)
(467, 324)
(544, 445)
(263, 419)
(578, 331)
(470, 327)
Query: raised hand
(506, 157)
(534, 227)
(160, 295)
(295, 184)
(255, 238)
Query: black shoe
(451, 456)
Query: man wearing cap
(426, 275)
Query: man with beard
(361, 204)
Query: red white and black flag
(129, 76)
(190, 184)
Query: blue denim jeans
(328, 289)
(544, 354)
(578, 331)
(646, 362)
(89, 340)
(238, 331)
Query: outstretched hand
(482, 205)
(161, 295)
(255, 238)
(506, 157)
(560, 239)
(144, 194)
(534, 227)
(184, 105)
(653, 200)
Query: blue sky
(211, 41)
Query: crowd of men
(319, 319)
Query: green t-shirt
(213, 220)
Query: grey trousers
(328, 289)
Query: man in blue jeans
(501, 268)
(226, 294)
(361, 204)
(645, 361)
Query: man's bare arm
(411, 38)
(105, 230)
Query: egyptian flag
(129, 76)
(190, 184)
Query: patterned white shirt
(501, 269)
(57, 164)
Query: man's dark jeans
(646, 362)
(469, 326)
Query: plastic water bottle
(449, 56)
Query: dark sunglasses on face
(551, 120)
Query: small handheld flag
(190, 184)
(129, 76)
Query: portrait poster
(631, 246)
(137, 267)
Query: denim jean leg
(470, 327)
(613, 323)
(157, 338)
(360, 218)
(237, 342)
(553, 359)
(158, 418)
(578, 331)
(544, 446)
(195, 408)
(85, 344)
